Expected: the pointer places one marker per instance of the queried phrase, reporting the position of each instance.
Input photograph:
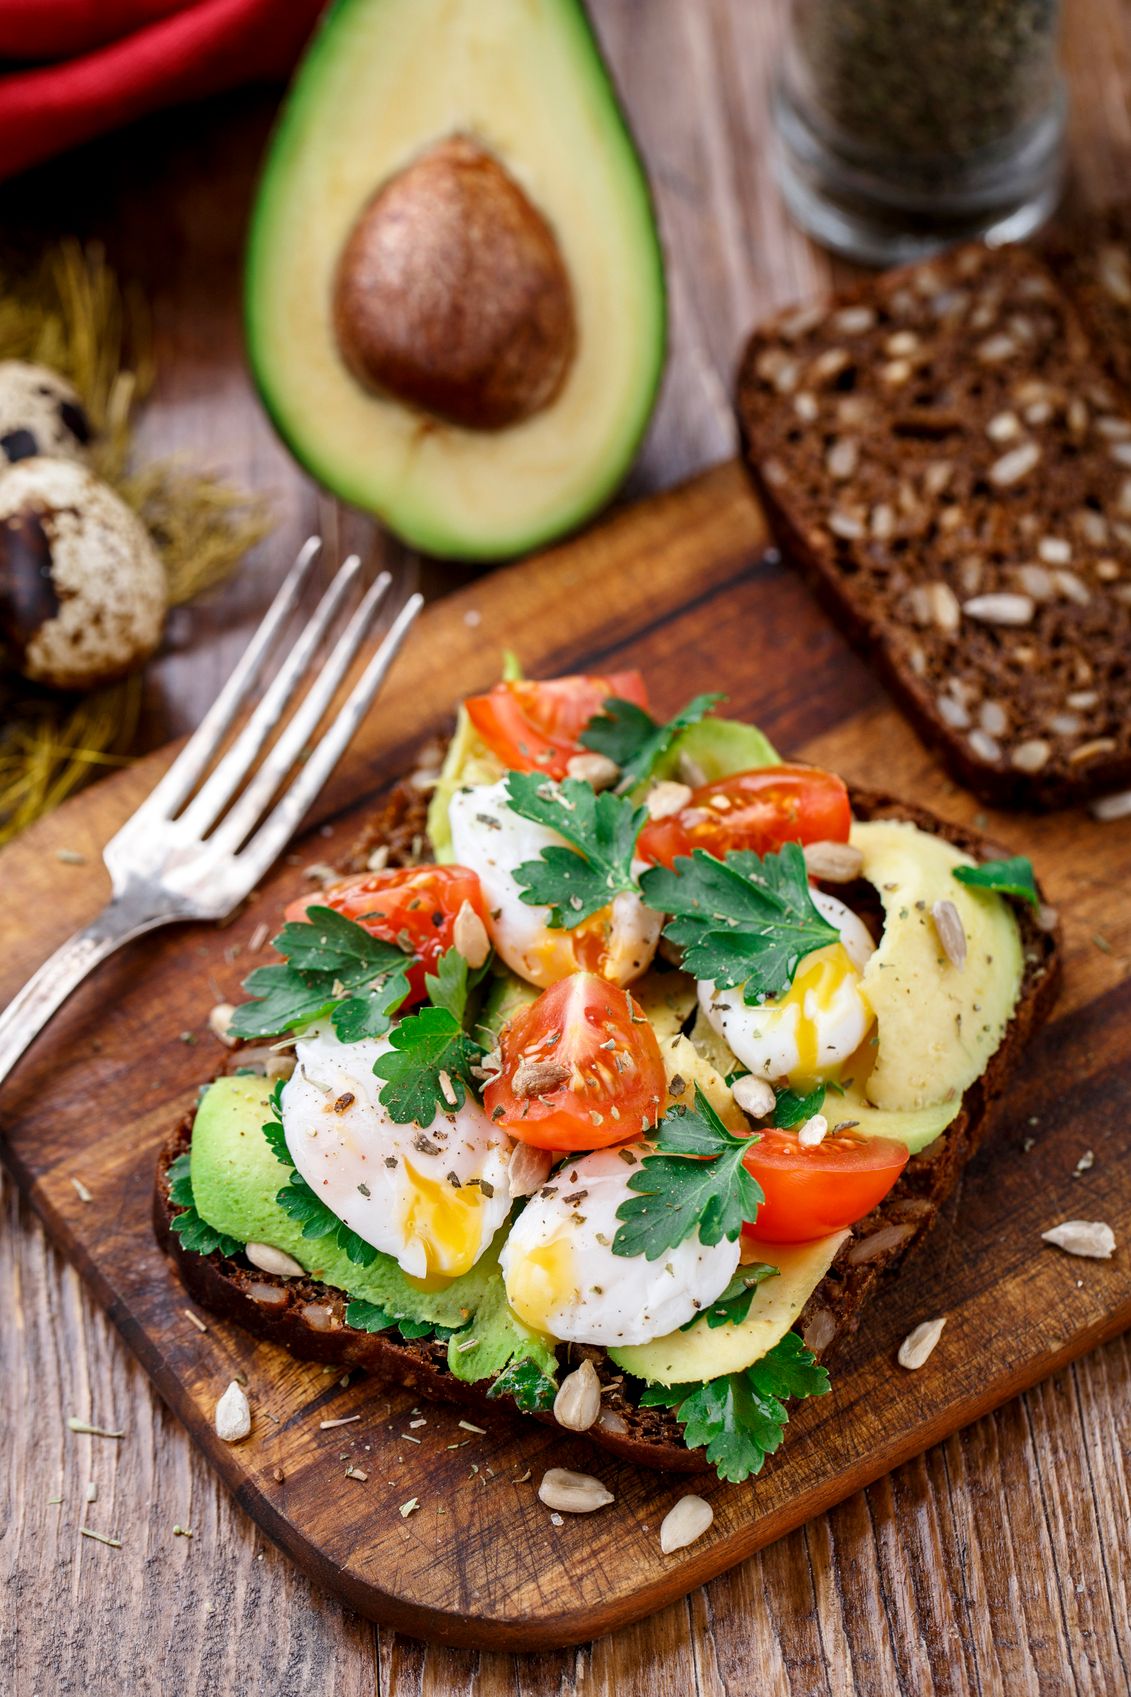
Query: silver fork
(167, 865)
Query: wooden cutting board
(684, 586)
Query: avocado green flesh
(383, 81)
(719, 748)
(937, 1023)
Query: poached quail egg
(562, 1277)
(493, 840)
(823, 1017)
(432, 1197)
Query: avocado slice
(506, 994)
(705, 1352)
(719, 748)
(937, 1025)
(454, 298)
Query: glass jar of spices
(905, 125)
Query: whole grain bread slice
(308, 1318)
(945, 456)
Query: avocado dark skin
(451, 293)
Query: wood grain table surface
(998, 1561)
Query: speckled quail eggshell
(83, 595)
(40, 413)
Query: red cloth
(115, 60)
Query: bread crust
(308, 1318)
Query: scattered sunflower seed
(233, 1414)
(578, 1402)
(1092, 1239)
(919, 1343)
(408, 1508)
(576, 1493)
(951, 933)
(684, 1523)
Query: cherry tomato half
(757, 810)
(581, 1068)
(534, 727)
(811, 1192)
(413, 906)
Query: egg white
(391, 1183)
(562, 1277)
(493, 840)
(822, 1019)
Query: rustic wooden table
(995, 1563)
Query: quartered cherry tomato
(534, 727)
(412, 906)
(813, 1191)
(581, 1068)
(757, 810)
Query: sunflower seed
(919, 1343)
(1031, 755)
(1003, 427)
(1054, 550)
(219, 1022)
(578, 1402)
(951, 933)
(1011, 467)
(469, 935)
(233, 1414)
(753, 1095)
(575, 1493)
(688, 1520)
(1000, 609)
(835, 863)
(528, 1169)
(813, 1132)
(1092, 1239)
(842, 458)
(271, 1260)
(666, 798)
(1110, 807)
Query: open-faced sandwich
(618, 1108)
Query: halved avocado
(455, 297)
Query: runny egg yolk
(543, 1283)
(817, 983)
(444, 1220)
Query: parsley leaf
(194, 1232)
(525, 1381)
(1013, 877)
(326, 941)
(740, 1419)
(450, 986)
(325, 955)
(680, 1192)
(371, 1317)
(732, 1307)
(285, 999)
(273, 1130)
(303, 1205)
(575, 882)
(791, 1108)
(743, 920)
(369, 1012)
(424, 1045)
(630, 736)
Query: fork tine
(166, 796)
(249, 809)
(229, 773)
(280, 825)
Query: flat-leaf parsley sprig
(333, 966)
(740, 1419)
(576, 882)
(1012, 877)
(630, 737)
(429, 1068)
(694, 1183)
(748, 919)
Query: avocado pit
(451, 294)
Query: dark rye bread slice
(308, 1318)
(947, 460)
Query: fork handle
(27, 1013)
